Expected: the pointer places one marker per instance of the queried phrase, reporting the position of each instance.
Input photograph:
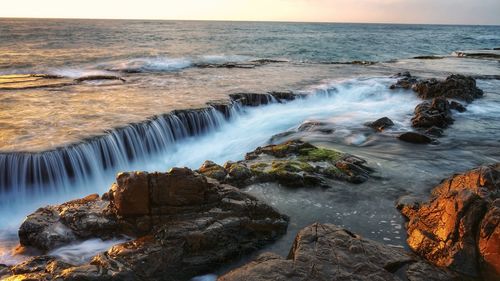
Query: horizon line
(256, 21)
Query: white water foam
(81, 252)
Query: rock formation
(293, 163)
(328, 252)
(459, 227)
(183, 224)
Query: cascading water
(186, 138)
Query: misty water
(161, 75)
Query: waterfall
(28, 174)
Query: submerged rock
(293, 164)
(380, 124)
(328, 252)
(405, 81)
(315, 126)
(184, 224)
(459, 227)
(415, 137)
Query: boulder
(328, 252)
(414, 137)
(53, 226)
(188, 225)
(458, 228)
(455, 86)
(432, 114)
(294, 164)
(380, 124)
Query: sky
(367, 11)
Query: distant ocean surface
(39, 44)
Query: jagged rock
(414, 137)
(188, 225)
(458, 228)
(52, 226)
(489, 242)
(455, 87)
(380, 124)
(294, 164)
(429, 114)
(212, 170)
(328, 252)
(405, 82)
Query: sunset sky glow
(394, 11)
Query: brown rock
(131, 194)
(454, 86)
(432, 114)
(328, 252)
(452, 229)
(380, 124)
(414, 137)
(489, 242)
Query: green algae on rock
(293, 164)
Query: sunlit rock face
(328, 252)
(184, 224)
(458, 228)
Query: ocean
(65, 134)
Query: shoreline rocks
(328, 252)
(455, 86)
(184, 224)
(292, 164)
(459, 227)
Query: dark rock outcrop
(459, 227)
(414, 137)
(405, 81)
(293, 164)
(328, 252)
(380, 124)
(454, 86)
(256, 99)
(185, 224)
(432, 114)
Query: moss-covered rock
(294, 164)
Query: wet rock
(454, 86)
(256, 99)
(295, 164)
(53, 226)
(489, 242)
(432, 114)
(458, 228)
(457, 106)
(405, 81)
(33, 81)
(380, 124)
(192, 225)
(328, 252)
(414, 137)
(212, 170)
(98, 77)
(315, 126)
